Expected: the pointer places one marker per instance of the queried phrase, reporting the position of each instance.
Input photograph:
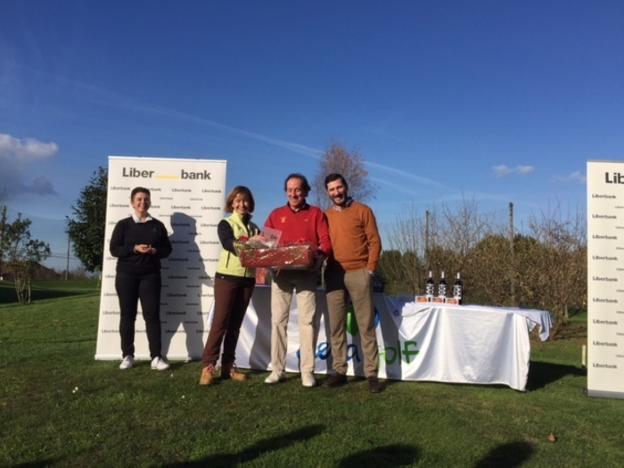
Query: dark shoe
(335, 380)
(373, 385)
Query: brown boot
(207, 375)
(230, 371)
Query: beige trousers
(304, 283)
(358, 284)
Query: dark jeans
(231, 301)
(130, 289)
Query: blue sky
(496, 101)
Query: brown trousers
(231, 301)
(357, 284)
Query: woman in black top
(139, 242)
(233, 287)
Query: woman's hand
(144, 249)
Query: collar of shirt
(139, 220)
(348, 202)
(305, 206)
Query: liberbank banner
(187, 196)
(605, 278)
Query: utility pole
(427, 239)
(512, 266)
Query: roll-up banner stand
(187, 196)
(605, 278)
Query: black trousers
(130, 289)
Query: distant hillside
(41, 273)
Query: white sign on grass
(188, 197)
(605, 278)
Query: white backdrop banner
(605, 278)
(188, 197)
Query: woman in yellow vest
(233, 287)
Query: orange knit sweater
(354, 237)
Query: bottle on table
(458, 289)
(442, 287)
(429, 287)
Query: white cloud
(16, 157)
(25, 149)
(575, 176)
(503, 170)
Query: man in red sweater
(299, 223)
(356, 247)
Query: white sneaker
(126, 363)
(307, 379)
(275, 377)
(159, 363)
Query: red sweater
(309, 224)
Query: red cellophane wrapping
(287, 257)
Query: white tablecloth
(430, 342)
(473, 344)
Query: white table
(417, 341)
(474, 344)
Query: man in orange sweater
(356, 248)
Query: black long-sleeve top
(226, 236)
(127, 234)
(226, 233)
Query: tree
(392, 273)
(86, 227)
(559, 267)
(22, 254)
(407, 269)
(351, 165)
(485, 272)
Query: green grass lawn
(59, 406)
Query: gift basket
(266, 253)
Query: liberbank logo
(615, 178)
(406, 350)
(135, 173)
